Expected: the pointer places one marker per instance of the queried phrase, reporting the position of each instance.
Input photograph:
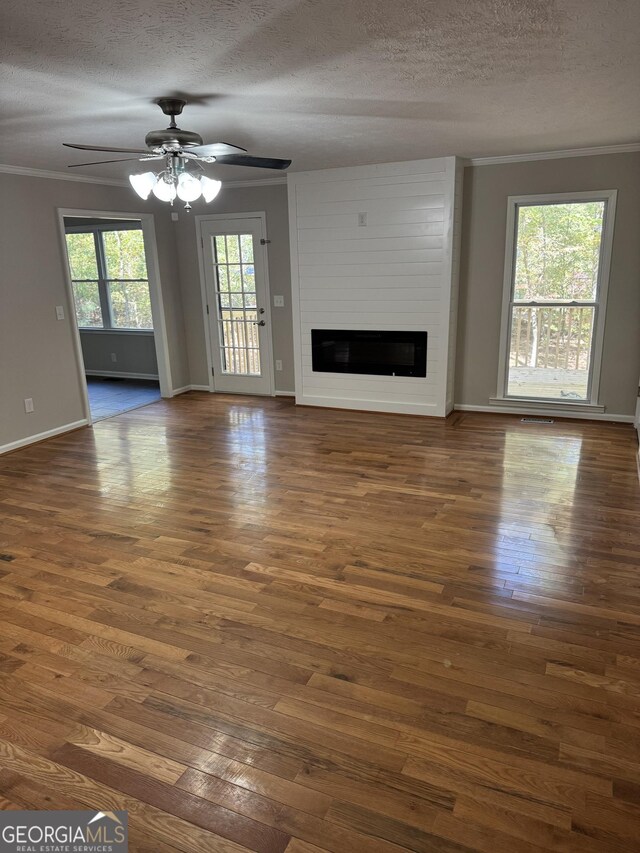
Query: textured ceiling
(324, 82)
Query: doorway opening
(112, 303)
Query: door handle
(261, 323)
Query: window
(237, 304)
(558, 251)
(109, 276)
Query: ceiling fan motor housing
(172, 136)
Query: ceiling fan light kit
(175, 182)
(180, 148)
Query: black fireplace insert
(379, 353)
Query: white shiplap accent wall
(399, 272)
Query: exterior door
(238, 305)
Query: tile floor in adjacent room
(109, 396)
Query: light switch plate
(278, 301)
(60, 312)
(278, 364)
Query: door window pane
(235, 278)
(233, 250)
(223, 278)
(246, 248)
(220, 245)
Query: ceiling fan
(179, 149)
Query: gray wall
(273, 201)
(486, 189)
(135, 352)
(36, 350)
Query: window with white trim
(556, 277)
(109, 276)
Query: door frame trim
(201, 220)
(147, 222)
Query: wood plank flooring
(267, 628)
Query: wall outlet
(278, 301)
(60, 312)
(362, 219)
(114, 357)
(278, 364)
(28, 405)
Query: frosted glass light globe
(210, 188)
(189, 188)
(143, 184)
(164, 190)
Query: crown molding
(28, 172)
(624, 148)
(259, 182)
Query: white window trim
(609, 197)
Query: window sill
(94, 331)
(557, 405)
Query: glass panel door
(238, 306)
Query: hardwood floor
(267, 628)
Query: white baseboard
(186, 388)
(41, 436)
(397, 408)
(546, 412)
(117, 375)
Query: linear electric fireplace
(375, 352)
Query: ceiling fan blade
(100, 162)
(248, 160)
(215, 148)
(102, 148)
